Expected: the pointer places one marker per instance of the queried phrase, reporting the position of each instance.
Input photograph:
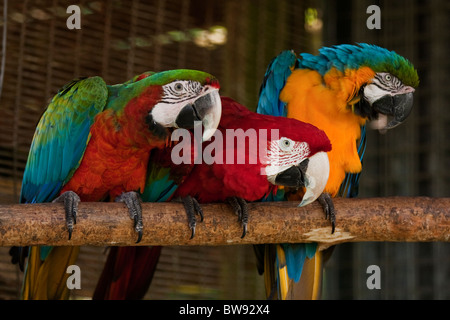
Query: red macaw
(93, 143)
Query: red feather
(217, 182)
(115, 160)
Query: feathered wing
(58, 146)
(279, 69)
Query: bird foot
(71, 201)
(192, 208)
(240, 208)
(328, 207)
(133, 203)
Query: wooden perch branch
(372, 219)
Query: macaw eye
(286, 144)
(178, 87)
(388, 77)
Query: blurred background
(235, 40)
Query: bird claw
(133, 203)
(328, 207)
(192, 208)
(240, 208)
(70, 200)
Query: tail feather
(282, 270)
(127, 273)
(310, 285)
(47, 279)
(293, 271)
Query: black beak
(398, 106)
(187, 116)
(207, 109)
(293, 176)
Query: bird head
(386, 96)
(299, 158)
(389, 94)
(187, 97)
(385, 91)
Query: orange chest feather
(115, 161)
(323, 102)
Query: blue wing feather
(349, 187)
(60, 138)
(280, 68)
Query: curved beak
(207, 109)
(316, 177)
(312, 174)
(399, 106)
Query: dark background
(235, 40)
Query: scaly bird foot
(71, 201)
(240, 208)
(133, 203)
(192, 208)
(328, 207)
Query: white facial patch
(283, 154)
(176, 95)
(372, 93)
(165, 114)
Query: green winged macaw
(338, 91)
(93, 143)
(296, 156)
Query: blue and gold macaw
(339, 91)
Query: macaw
(338, 90)
(93, 143)
(296, 157)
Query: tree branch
(357, 220)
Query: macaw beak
(399, 106)
(207, 109)
(312, 174)
(316, 177)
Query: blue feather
(279, 69)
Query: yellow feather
(317, 283)
(46, 280)
(323, 102)
(283, 278)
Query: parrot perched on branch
(249, 156)
(93, 143)
(338, 91)
(295, 157)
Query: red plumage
(207, 183)
(115, 160)
(217, 182)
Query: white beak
(316, 177)
(211, 120)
